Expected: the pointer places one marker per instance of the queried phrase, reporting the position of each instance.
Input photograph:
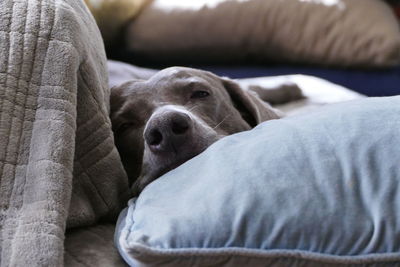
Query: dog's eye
(125, 126)
(199, 94)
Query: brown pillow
(328, 32)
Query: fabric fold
(58, 164)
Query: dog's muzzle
(168, 131)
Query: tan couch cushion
(111, 15)
(329, 32)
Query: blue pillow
(322, 189)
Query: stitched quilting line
(90, 133)
(10, 112)
(26, 108)
(18, 154)
(35, 84)
(99, 159)
(52, 18)
(84, 167)
(63, 99)
(99, 105)
(87, 154)
(90, 177)
(2, 102)
(13, 123)
(18, 143)
(90, 181)
(94, 145)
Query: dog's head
(162, 122)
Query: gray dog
(162, 122)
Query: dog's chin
(145, 179)
(164, 165)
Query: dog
(161, 122)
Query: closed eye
(199, 94)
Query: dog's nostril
(155, 137)
(179, 126)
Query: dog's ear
(119, 94)
(250, 106)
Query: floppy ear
(250, 106)
(119, 94)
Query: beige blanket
(58, 165)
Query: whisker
(227, 116)
(192, 108)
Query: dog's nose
(167, 131)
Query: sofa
(63, 185)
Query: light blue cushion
(322, 189)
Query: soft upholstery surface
(112, 15)
(120, 72)
(58, 164)
(321, 189)
(337, 32)
(92, 246)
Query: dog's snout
(167, 131)
(180, 123)
(154, 138)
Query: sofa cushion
(112, 15)
(335, 32)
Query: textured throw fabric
(58, 164)
(320, 189)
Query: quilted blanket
(58, 165)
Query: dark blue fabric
(369, 82)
